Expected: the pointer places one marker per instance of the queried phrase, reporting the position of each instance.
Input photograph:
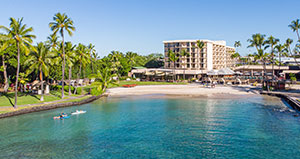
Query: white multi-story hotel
(214, 55)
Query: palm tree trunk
(174, 75)
(6, 85)
(279, 55)
(17, 76)
(92, 67)
(92, 64)
(264, 77)
(298, 34)
(80, 70)
(42, 87)
(63, 67)
(70, 73)
(184, 74)
(84, 72)
(294, 57)
(273, 75)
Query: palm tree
(249, 58)
(40, 61)
(235, 55)
(271, 42)
(23, 79)
(184, 54)
(62, 22)
(261, 56)
(287, 44)
(114, 57)
(21, 34)
(172, 58)
(258, 41)
(93, 55)
(280, 50)
(5, 42)
(295, 26)
(237, 44)
(131, 58)
(83, 57)
(53, 41)
(105, 77)
(71, 59)
(200, 45)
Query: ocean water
(157, 127)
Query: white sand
(182, 90)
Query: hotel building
(215, 55)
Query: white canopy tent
(223, 71)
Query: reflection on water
(147, 127)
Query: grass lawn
(23, 98)
(76, 100)
(6, 110)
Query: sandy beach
(192, 90)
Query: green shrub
(123, 78)
(55, 87)
(95, 92)
(66, 88)
(79, 90)
(96, 83)
(293, 77)
(58, 87)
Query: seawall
(49, 106)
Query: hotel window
(188, 65)
(193, 65)
(188, 60)
(177, 65)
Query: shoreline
(153, 91)
(49, 106)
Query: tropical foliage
(23, 62)
(20, 33)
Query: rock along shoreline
(50, 106)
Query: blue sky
(141, 26)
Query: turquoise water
(157, 127)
